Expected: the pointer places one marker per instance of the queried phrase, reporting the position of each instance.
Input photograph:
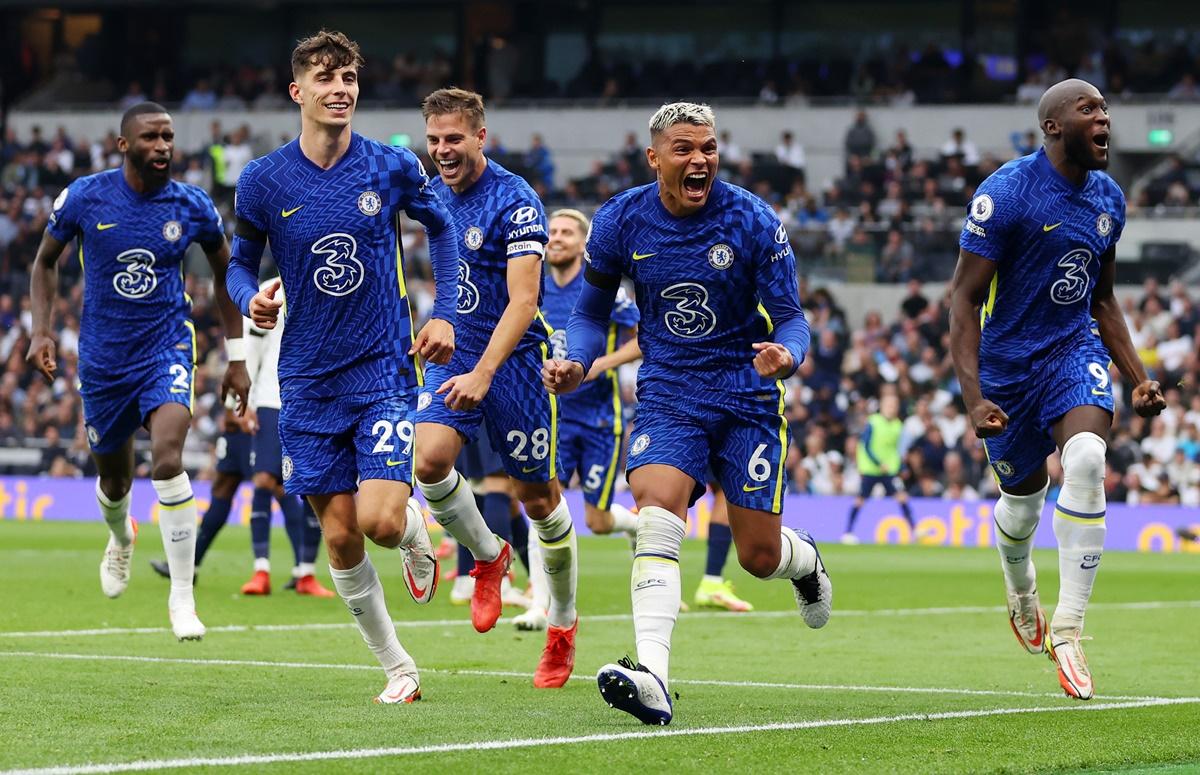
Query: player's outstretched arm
(43, 286)
(626, 353)
(236, 381)
(1148, 399)
(524, 275)
(968, 292)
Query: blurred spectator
(959, 147)
(789, 152)
(201, 97)
(860, 137)
(539, 162)
(1185, 89)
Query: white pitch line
(1146, 605)
(535, 742)
(517, 674)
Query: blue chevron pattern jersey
(1048, 238)
(132, 248)
(335, 236)
(706, 285)
(499, 218)
(1040, 354)
(595, 403)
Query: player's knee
(1083, 458)
(599, 522)
(167, 465)
(115, 487)
(539, 505)
(759, 559)
(432, 468)
(265, 481)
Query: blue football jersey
(335, 235)
(707, 285)
(132, 248)
(499, 217)
(596, 402)
(1048, 238)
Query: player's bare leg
(113, 487)
(453, 506)
(358, 584)
(169, 425)
(1016, 516)
(662, 494)
(1080, 529)
(715, 591)
(546, 507)
(391, 518)
(768, 550)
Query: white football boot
(115, 566)
(421, 569)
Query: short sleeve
(207, 224)
(66, 213)
(987, 229)
(247, 203)
(603, 253)
(625, 313)
(525, 230)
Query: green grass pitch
(917, 671)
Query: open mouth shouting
(1100, 140)
(695, 186)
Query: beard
(1081, 150)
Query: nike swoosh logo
(178, 390)
(639, 256)
(417, 591)
(1089, 567)
(1098, 392)
(394, 463)
(525, 470)
(288, 213)
(748, 488)
(1051, 226)
(104, 226)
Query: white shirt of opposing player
(262, 361)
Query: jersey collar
(1048, 171)
(355, 139)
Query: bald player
(1033, 327)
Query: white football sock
(414, 523)
(624, 520)
(797, 558)
(556, 534)
(537, 572)
(303, 569)
(262, 564)
(116, 514)
(177, 523)
(1079, 527)
(359, 587)
(655, 586)
(1016, 518)
(453, 506)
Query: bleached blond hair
(568, 212)
(681, 113)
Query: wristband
(235, 349)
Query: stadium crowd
(914, 205)
(885, 71)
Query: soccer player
(704, 256)
(590, 421)
(878, 459)
(266, 462)
(494, 376)
(249, 449)
(328, 203)
(714, 590)
(137, 346)
(1033, 326)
